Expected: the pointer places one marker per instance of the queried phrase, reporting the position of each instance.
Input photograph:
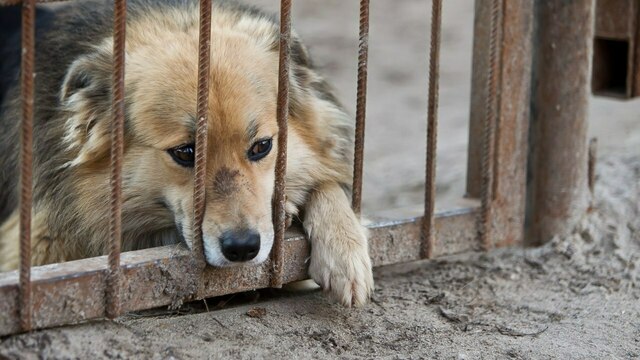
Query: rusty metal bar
(559, 189)
(202, 111)
(432, 129)
(481, 31)
(71, 292)
(636, 54)
(593, 157)
(490, 120)
(280, 199)
(26, 162)
(117, 153)
(512, 127)
(361, 107)
(505, 225)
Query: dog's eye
(259, 150)
(183, 155)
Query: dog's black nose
(240, 245)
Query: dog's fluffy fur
(72, 127)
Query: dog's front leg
(340, 261)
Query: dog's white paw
(342, 267)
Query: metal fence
(109, 286)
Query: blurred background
(397, 101)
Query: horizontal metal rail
(74, 291)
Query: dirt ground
(574, 298)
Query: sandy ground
(575, 298)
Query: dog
(72, 141)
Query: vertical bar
(26, 152)
(117, 151)
(361, 106)
(636, 54)
(505, 225)
(559, 191)
(432, 130)
(200, 167)
(490, 124)
(481, 31)
(593, 157)
(279, 216)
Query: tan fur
(161, 86)
(44, 251)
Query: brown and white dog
(72, 127)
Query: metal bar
(71, 292)
(481, 31)
(512, 123)
(26, 162)
(432, 129)
(636, 54)
(200, 166)
(593, 157)
(505, 225)
(279, 215)
(490, 114)
(559, 190)
(361, 107)
(117, 152)
(512, 126)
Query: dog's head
(161, 87)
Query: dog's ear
(85, 97)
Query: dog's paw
(291, 211)
(342, 267)
(288, 220)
